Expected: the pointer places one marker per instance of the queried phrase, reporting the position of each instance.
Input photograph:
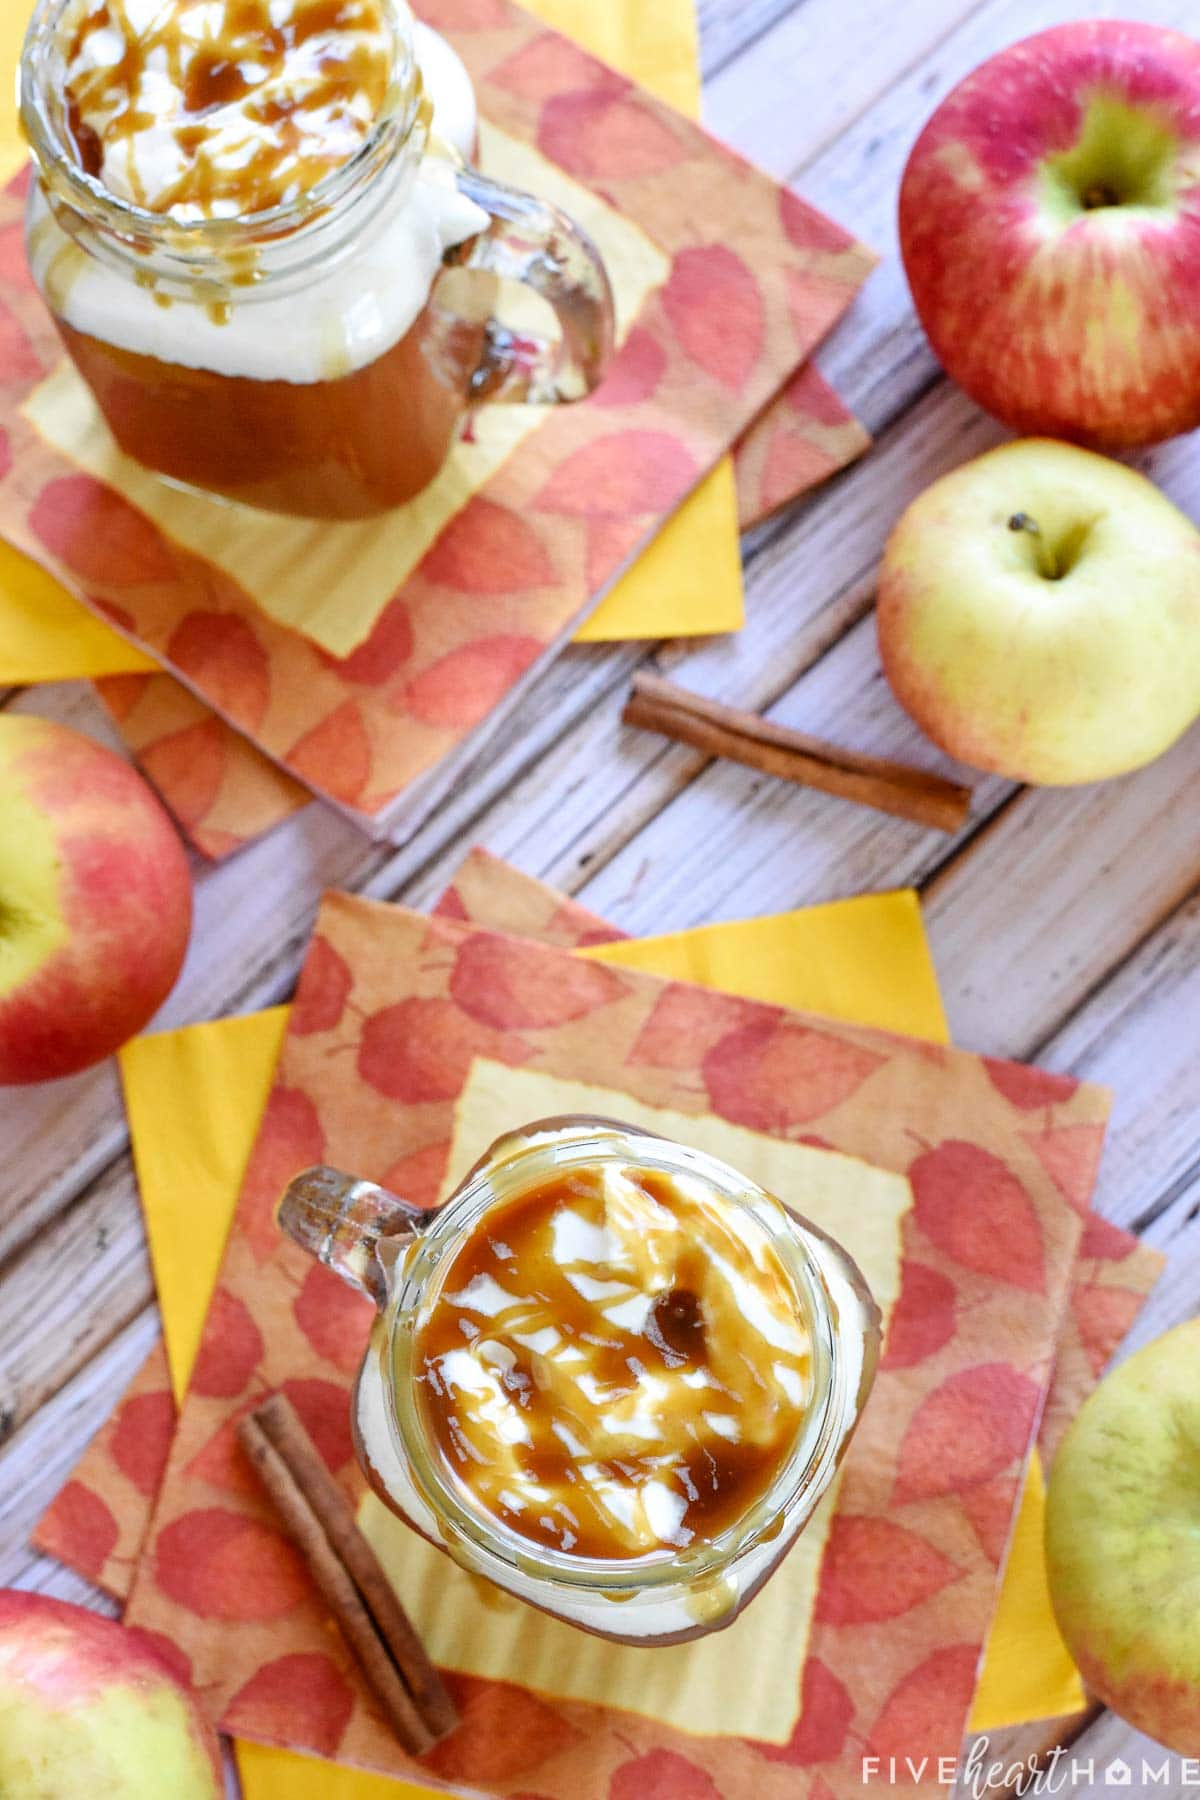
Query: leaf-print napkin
(936, 1469)
(224, 792)
(205, 1087)
(195, 1097)
(739, 281)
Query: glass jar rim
(778, 1508)
(200, 241)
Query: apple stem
(1047, 567)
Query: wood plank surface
(1065, 924)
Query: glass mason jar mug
(609, 1374)
(318, 356)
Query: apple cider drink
(610, 1374)
(242, 218)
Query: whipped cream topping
(616, 1364)
(346, 317)
(222, 108)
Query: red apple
(1050, 226)
(88, 1708)
(95, 901)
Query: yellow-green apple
(1039, 614)
(95, 901)
(89, 1709)
(1050, 227)
(1123, 1540)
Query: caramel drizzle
(576, 1402)
(312, 113)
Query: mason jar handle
(355, 1228)
(534, 243)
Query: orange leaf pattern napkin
(224, 792)
(99, 1520)
(392, 1012)
(754, 279)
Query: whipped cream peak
(616, 1364)
(222, 108)
(354, 311)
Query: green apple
(1123, 1540)
(1039, 615)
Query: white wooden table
(1065, 925)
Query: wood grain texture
(1064, 924)
(729, 27)
(83, 1279)
(748, 100)
(1137, 1035)
(35, 1463)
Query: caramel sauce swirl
(222, 108)
(615, 1363)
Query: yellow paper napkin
(656, 45)
(12, 31)
(863, 961)
(48, 635)
(195, 1097)
(689, 581)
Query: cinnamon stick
(318, 1518)
(743, 737)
